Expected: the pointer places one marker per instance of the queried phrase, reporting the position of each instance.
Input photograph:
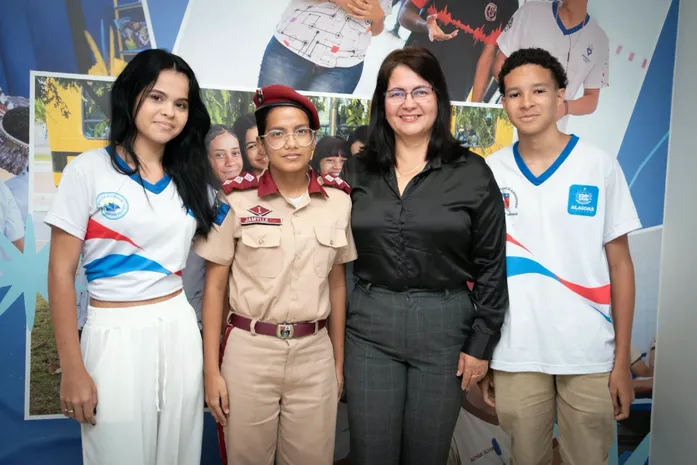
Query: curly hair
(533, 56)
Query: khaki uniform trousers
(283, 399)
(526, 404)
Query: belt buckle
(285, 331)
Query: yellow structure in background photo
(69, 122)
(484, 130)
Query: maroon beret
(277, 95)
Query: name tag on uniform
(246, 220)
(260, 217)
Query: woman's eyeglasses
(277, 138)
(398, 96)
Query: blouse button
(331, 242)
(261, 241)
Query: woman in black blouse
(427, 219)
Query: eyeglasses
(277, 138)
(398, 96)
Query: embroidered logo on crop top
(112, 205)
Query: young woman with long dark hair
(131, 209)
(254, 160)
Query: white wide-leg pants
(147, 363)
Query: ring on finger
(68, 411)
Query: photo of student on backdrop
(254, 160)
(330, 155)
(466, 51)
(14, 153)
(321, 45)
(14, 160)
(225, 157)
(565, 30)
(358, 139)
(11, 224)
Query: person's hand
(471, 369)
(621, 392)
(367, 10)
(339, 368)
(435, 33)
(78, 395)
(486, 385)
(217, 398)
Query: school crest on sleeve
(259, 216)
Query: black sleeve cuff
(480, 344)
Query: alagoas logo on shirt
(112, 205)
(583, 200)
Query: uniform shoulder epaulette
(332, 181)
(240, 183)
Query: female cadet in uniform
(132, 209)
(428, 218)
(286, 237)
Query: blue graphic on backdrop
(643, 154)
(23, 274)
(166, 17)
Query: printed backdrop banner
(76, 48)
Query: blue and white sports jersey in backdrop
(136, 238)
(583, 50)
(559, 320)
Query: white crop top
(136, 240)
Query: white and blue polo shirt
(136, 236)
(559, 320)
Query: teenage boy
(564, 353)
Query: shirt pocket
(264, 251)
(329, 240)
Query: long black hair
(379, 153)
(185, 158)
(243, 124)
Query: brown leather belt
(281, 331)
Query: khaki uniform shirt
(280, 255)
